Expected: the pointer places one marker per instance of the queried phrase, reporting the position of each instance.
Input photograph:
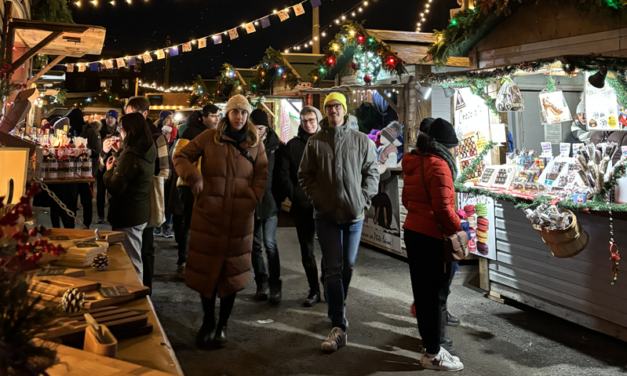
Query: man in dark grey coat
(339, 175)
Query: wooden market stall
(399, 99)
(558, 54)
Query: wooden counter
(152, 350)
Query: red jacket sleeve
(443, 197)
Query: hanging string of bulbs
(423, 15)
(171, 89)
(353, 12)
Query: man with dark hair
(301, 209)
(210, 117)
(162, 169)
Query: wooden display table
(152, 350)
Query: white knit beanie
(237, 102)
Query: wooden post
(4, 56)
(484, 274)
(166, 79)
(316, 31)
(136, 85)
(45, 69)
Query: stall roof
(412, 47)
(347, 88)
(72, 39)
(302, 64)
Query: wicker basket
(565, 243)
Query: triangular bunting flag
(187, 47)
(233, 34)
(108, 64)
(81, 67)
(283, 15)
(315, 3)
(121, 63)
(250, 28)
(93, 67)
(131, 61)
(298, 9)
(265, 22)
(202, 43)
(217, 39)
(174, 51)
(70, 68)
(160, 54)
(147, 58)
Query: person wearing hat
(266, 220)
(578, 131)
(301, 209)
(227, 189)
(339, 174)
(432, 165)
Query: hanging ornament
(73, 301)
(509, 98)
(367, 79)
(355, 65)
(101, 262)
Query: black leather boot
(262, 289)
(312, 299)
(220, 339)
(275, 292)
(203, 339)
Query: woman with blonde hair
(227, 189)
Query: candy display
(509, 98)
(550, 217)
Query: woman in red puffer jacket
(429, 272)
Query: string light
(423, 15)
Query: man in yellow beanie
(339, 175)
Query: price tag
(564, 149)
(547, 149)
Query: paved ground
(493, 339)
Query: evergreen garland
(271, 66)
(471, 23)
(353, 34)
(227, 81)
(200, 96)
(619, 84)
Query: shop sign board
(382, 224)
(481, 223)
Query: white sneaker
(443, 361)
(337, 338)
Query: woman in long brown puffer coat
(234, 171)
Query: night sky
(145, 24)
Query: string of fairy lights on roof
(352, 12)
(423, 15)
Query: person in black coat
(266, 221)
(109, 128)
(302, 209)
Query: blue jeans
(265, 234)
(339, 244)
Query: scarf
(428, 144)
(237, 136)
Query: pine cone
(73, 301)
(100, 262)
